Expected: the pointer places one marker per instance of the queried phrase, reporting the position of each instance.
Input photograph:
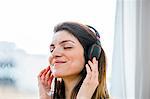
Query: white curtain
(142, 75)
(131, 56)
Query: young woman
(77, 65)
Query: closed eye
(51, 50)
(68, 47)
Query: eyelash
(67, 47)
(51, 50)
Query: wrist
(50, 93)
(44, 96)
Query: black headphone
(95, 49)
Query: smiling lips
(59, 62)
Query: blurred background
(26, 29)
(18, 72)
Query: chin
(57, 74)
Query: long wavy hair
(86, 37)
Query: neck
(70, 83)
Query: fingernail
(94, 58)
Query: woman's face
(67, 55)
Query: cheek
(78, 62)
(50, 59)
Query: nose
(57, 52)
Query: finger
(95, 65)
(88, 76)
(47, 75)
(50, 80)
(94, 60)
(92, 65)
(45, 72)
(40, 74)
(47, 69)
(94, 75)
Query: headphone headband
(96, 32)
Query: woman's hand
(44, 82)
(90, 82)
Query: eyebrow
(64, 42)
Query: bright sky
(29, 23)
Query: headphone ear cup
(94, 51)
